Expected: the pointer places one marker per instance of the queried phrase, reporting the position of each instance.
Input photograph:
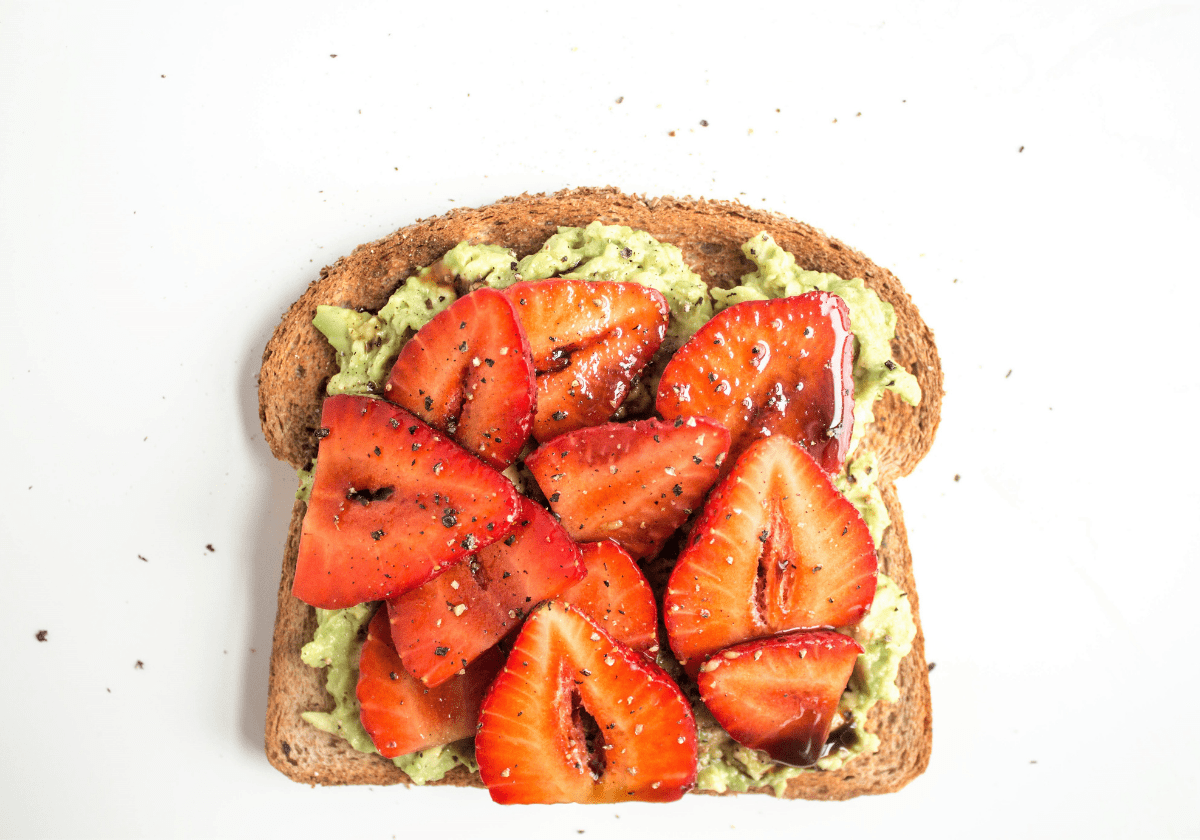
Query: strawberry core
(583, 735)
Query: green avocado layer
(367, 344)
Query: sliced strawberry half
(576, 716)
(403, 716)
(393, 503)
(770, 367)
(630, 482)
(442, 626)
(616, 595)
(780, 695)
(777, 548)
(589, 341)
(469, 372)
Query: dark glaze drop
(845, 736)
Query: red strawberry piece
(440, 627)
(631, 482)
(777, 548)
(400, 714)
(780, 695)
(576, 716)
(393, 503)
(589, 341)
(770, 367)
(616, 595)
(468, 372)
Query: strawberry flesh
(780, 695)
(770, 367)
(442, 626)
(777, 548)
(393, 503)
(399, 713)
(616, 595)
(589, 341)
(469, 372)
(634, 483)
(576, 716)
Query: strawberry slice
(399, 713)
(770, 367)
(576, 716)
(780, 695)
(440, 627)
(631, 482)
(469, 373)
(589, 341)
(616, 595)
(393, 503)
(777, 548)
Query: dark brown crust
(298, 361)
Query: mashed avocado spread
(367, 344)
(598, 252)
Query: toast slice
(298, 362)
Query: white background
(172, 175)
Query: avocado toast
(298, 363)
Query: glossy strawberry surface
(770, 367)
(576, 716)
(445, 624)
(633, 483)
(393, 503)
(469, 373)
(776, 548)
(780, 695)
(616, 595)
(589, 341)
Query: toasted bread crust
(298, 362)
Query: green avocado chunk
(495, 266)
(434, 763)
(336, 646)
(305, 477)
(859, 485)
(367, 344)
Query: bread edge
(297, 361)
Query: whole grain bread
(298, 362)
